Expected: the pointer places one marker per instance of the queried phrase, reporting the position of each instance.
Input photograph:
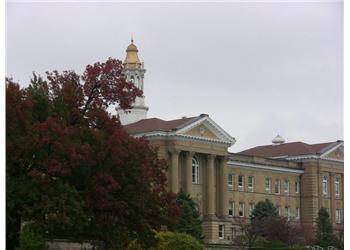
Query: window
(337, 216)
(195, 171)
(250, 183)
(233, 232)
(279, 210)
(268, 185)
(325, 185)
(221, 231)
(251, 208)
(231, 208)
(337, 187)
(287, 212)
(297, 187)
(230, 181)
(277, 186)
(286, 187)
(297, 213)
(241, 183)
(241, 209)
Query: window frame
(251, 207)
(286, 187)
(231, 208)
(297, 187)
(241, 187)
(221, 231)
(325, 185)
(287, 215)
(337, 186)
(297, 213)
(230, 186)
(268, 189)
(337, 216)
(241, 205)
(278, 181)
(279, 210)
(250, 188)
(195, 170)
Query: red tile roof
(155, 124)
(287, 149)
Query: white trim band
(264, 167)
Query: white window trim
(195, 173)
(233, 208)
(286, 187)
(230, 183)
(222, 231)
(241, 187)
(279, 186)
(297, 183)
(268, 189)
(325, 185)
(288, 212)
(239, 211)
(251, 189)
(337, 218)
(337, 184)
(251, 208)
(279, 209)
(297, 213)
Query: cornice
(265, 167)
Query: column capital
(224, 158)
(190, 153)
(211, 157)
(175, 151)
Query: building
(298, 178)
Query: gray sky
(258, 69)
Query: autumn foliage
(72, 171)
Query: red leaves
(106, 85)
(59, 134)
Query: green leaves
(189, 220)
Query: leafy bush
(171, 241)
(177, 241)
(31, 240)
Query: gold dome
(132, 59)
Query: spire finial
(132, 38)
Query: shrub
(170, 241)
(31, 240)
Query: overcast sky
(258, 69)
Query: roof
(155, 124)
(287, 149)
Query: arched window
(195, 171)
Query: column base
(210, 217)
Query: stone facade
(299, 179)
(229, 185)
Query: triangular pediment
(203, 130)
(337, 153)
(206, 128)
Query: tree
(263, 213)
(264, 209)
(324, 232)
(71, 168)
(189, 220)
(265, 222)
(250, 233)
